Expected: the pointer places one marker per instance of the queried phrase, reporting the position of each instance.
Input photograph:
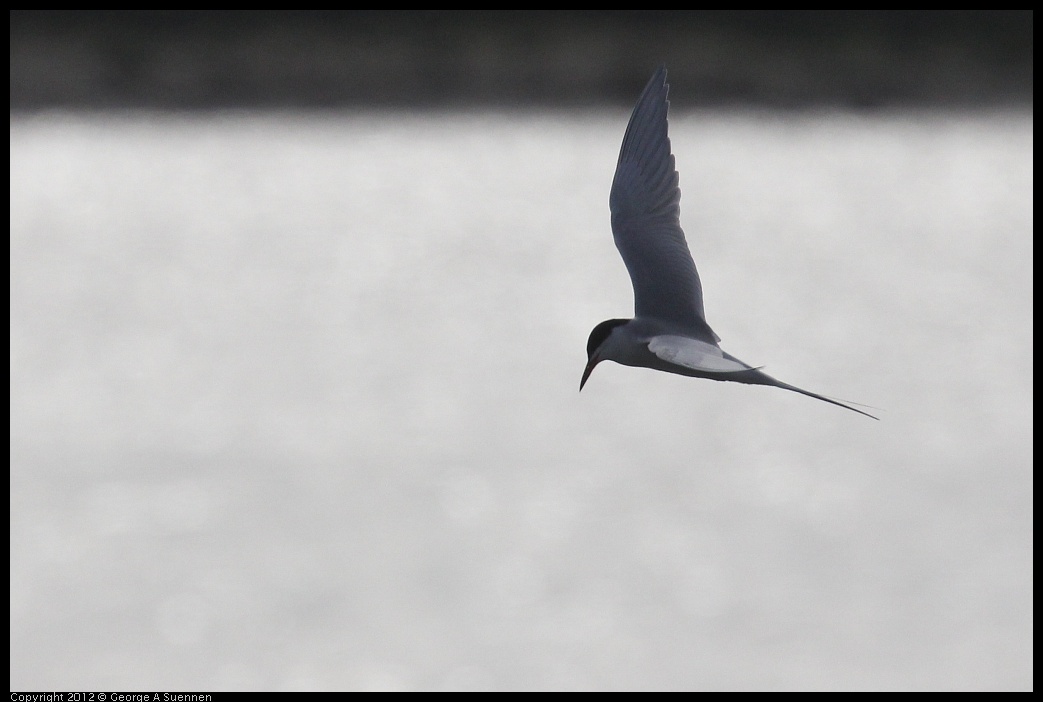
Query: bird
(669, 331)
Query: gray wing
(645, 205)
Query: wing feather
(645, 204)
(695, 354)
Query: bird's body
(669, 330)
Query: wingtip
(659, 76)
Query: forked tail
(794, 388)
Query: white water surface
(294, 406)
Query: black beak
(594, 360)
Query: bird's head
(595, 345)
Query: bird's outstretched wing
(707, 360)
(695, 355)
(646, 219)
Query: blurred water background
(294, 403)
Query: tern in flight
(669, 330)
